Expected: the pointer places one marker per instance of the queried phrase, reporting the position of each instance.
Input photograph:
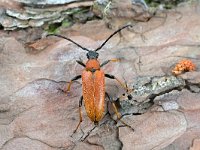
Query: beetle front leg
(80, 114)
(80, 62)
(110, 60)
(70, 83)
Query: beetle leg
(110, 60)
(80, 114)
(70, 83)
(121, 83)
(119, 116)
(80, 63)
(117, 112)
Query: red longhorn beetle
(93, 83)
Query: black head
(92, 55)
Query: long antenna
(83, 48)
(112, 36)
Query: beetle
(93, 83)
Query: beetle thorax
(92, 65)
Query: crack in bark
(87, 134)
(8, 141)
(17, 115)
(121, 143)
(188, 84)
(34, 139)
(94, 144)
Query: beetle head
(92, 55)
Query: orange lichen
(184, 66)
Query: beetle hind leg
(80, 114)
(118, 113)
(119, 116)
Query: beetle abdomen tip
(96, 123)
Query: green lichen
(158, 85)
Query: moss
(71, 11)
(66, 23)
(53, 28)
(167, 4)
